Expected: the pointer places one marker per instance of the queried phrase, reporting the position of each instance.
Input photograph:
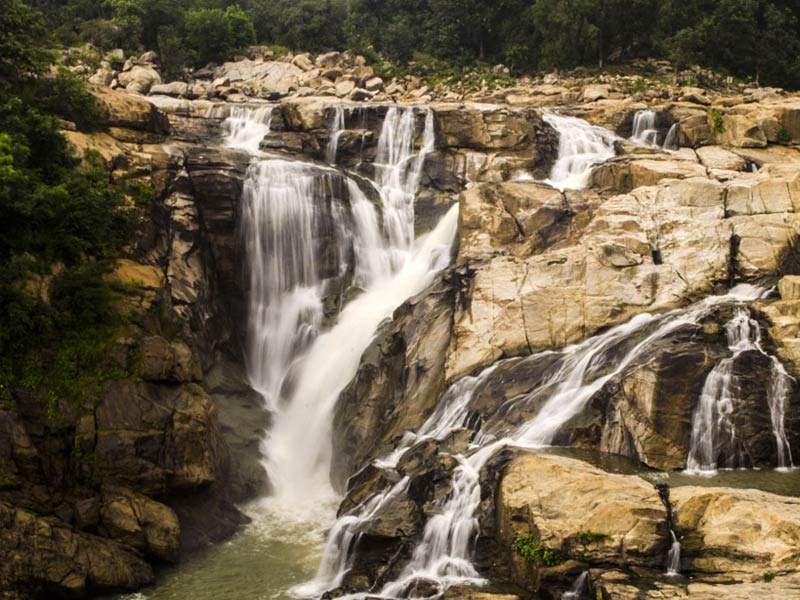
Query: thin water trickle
(334, 133)
(674, 556)
(579, 588)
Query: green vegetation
(715, 120)
(769, 576)
(526, 546)
(756, 39)
(590, 537)
(784, 137)
(62, 221)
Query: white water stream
(581, 146)
(712, 424)
(644, 128)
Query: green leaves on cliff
(526, 546)
(61, 220)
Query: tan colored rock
(485, 126)
(735, 533)
(762, 195)
(715, 157)
(741, 131)
(560, 500)
(763, 241)
(126, 111)
(789, 287)
(139, 522)
(626, 174)
(343, 88)
(176, 89)
(695, 96)
(139, 79)
(373, 84)
(591, 93)
(694, 131)
(598, 267)
(303, 61)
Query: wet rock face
(373, 410)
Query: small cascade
(580, 147)
(398, 166)
(579, 589)
(246, 127)
(712, 426)
(644, 128)
(334, 133)
(574, 375)
(674, 556)
(671, 141)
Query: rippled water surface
(276, 551)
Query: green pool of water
(278, 550)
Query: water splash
(671, 141)
(579, 588)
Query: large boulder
(126, 111)
(736, 534)
(579, 513)
(139, 522)
(139, 79)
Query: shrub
(526, 546)
(715, 120)
(213, 34)
(590, 537)
(784, 137)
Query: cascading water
(580, 147)
(574, 375)
(644, 128)
(306, 370)
(674, 556)
(246, 127)
(334, 133)
(712, 426)
(578, 589)
(671, 141)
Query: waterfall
(574, 375)
(246, 127)
(671, 141)
(674, 556)
(579, 586)
(580, 147)
(303, 227)
(644, 128)
(712, 426)
(334, 133)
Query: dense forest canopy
(758, 39)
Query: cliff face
(153, 468)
